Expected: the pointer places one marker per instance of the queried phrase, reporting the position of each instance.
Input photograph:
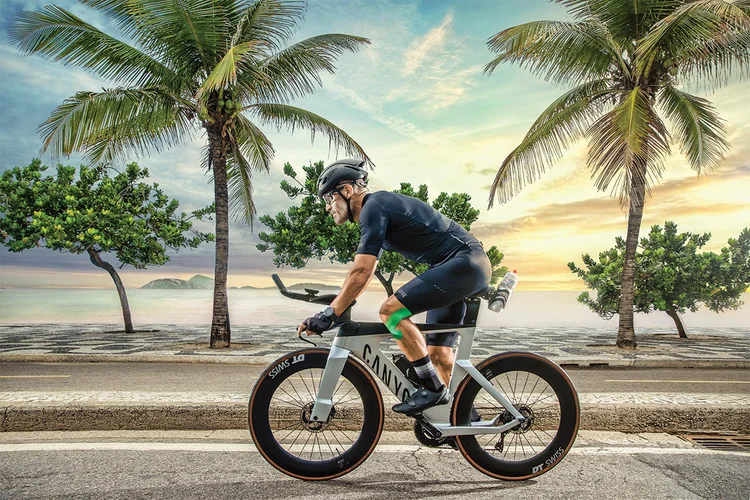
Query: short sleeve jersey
(400, 223)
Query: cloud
(416, 100)
(373, 108)
(421, 48)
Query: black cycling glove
(318, 323)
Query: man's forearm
(355, 283)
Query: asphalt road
(214, 465)
(232, 378)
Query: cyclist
(459, 267)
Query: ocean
(268, 307)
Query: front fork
(331, 373)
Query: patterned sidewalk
(29, 398)
(262, 344)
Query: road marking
(684, 381)
(386, 448)
(34, 376)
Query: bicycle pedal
(430, 429)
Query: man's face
(336, 204)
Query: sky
(417, 101)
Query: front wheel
(279, 417)
(542, 392)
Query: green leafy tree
(217, 65)
(671, 275)
(306, 231)
(625, 60)
(95, 214)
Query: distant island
(174, 284)
(200, 282)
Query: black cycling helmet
(340, 171)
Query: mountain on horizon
(201, 282)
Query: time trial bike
(317, 414)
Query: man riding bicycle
(459, 267)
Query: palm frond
(110, 124)
(628, 143)
(293, 72)
(292, 118)
(625, 20)
(690, 26)
(563, 122)
(225, 73)
(716, 60)
(559, 51)
(205, 160)
(56, 34)
(269, 21)
(240, 185)
(253, 144)
(700, 130)
(194, 35)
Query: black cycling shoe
(421, 400)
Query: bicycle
(329, 399)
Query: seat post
(472, 311)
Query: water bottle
(504, 291)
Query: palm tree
(625, 59)
(220, 65)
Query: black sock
(426, 373)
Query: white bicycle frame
(367, 349)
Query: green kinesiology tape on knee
(394, 319)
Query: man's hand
(315, 324)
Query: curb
(600, 417)
(172, 357)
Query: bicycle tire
(567, 413)
(261, 423)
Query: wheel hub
(312, 425)
(528, 415)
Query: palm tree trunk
(220, 330)
(626, 331)
(98, 262)
(676, 318)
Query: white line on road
(34, 376)
(385, 448)
(684, 381)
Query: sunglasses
(328, 197)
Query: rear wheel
(542, 392)
(279, 417)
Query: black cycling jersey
(400, 223)
(458, 265)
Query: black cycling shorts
(442, 289)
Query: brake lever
(299, 336)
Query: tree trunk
(220, 331)
(626, 331)
(98, 262)
(676, 318)
(387, 284)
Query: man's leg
(411, 341)
(440, 345)
(442, 359)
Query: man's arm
(356, 281)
